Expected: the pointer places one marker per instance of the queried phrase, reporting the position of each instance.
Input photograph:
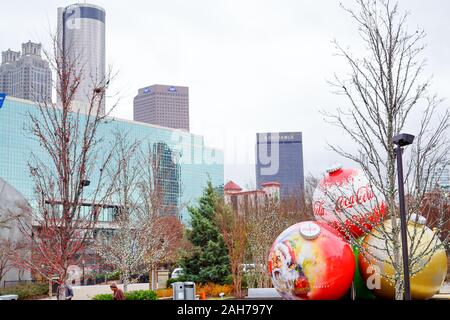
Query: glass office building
(186, 163)
(279, 158)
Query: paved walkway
(87, 292)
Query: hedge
(27, 291)
(132, 295)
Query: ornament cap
(333, 168)
(309, 230)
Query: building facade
(186, 163)
(241, 201)
(11, 204)
(279, 157)
(81, 40)
(162, 105)
(26, 75)
(440, 179)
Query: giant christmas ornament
(378, 272)
(345, 199)
(361, 290)
(310, 260)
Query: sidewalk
(87, 292)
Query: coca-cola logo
(318, 208)
(362, 195)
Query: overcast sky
(250, 65)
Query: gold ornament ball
(427, 274)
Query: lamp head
(403, 139)
(85, 183)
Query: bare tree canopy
(386, 93)
(59, 227)
(141, 236)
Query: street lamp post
(83, 183)
(82, 277)
(402, 140)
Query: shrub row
(164, 293)
(214, 289)
(27, 291)
(132, 295)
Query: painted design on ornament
(287, 274)
(346, 200)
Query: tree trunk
(125, 282)
(49, 288)
(395, 228)
(153, 278)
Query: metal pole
(403, 223)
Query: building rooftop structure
(242, 200)
(26, 74)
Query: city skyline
(26, 74)
(163, 105)
(280, 159)
(81, 42)
(257, 62)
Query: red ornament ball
(346, 200)
(311, 261)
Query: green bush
(27, 291)
(103, 296)
(132, 295)
(115, 275)
(181, 278)
(141, 295)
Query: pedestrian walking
(65, 292)
(117, 293)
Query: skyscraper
(166, 106)
(26, 75)
(279, 158)
(81, 39)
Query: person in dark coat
(64, 292)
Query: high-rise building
(185, 162)
(81, 40)
(185, 165)
(162, 105)
(26, 75)
(279, 158)
(440, 178)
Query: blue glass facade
(186, 162)
(279, 158)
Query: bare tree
(125, 248)
(153, 208)
(141, 237)
(58, 229)
(233, 228)
(311, 183)
(6, 249)
(170, 230)
(386, 92)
